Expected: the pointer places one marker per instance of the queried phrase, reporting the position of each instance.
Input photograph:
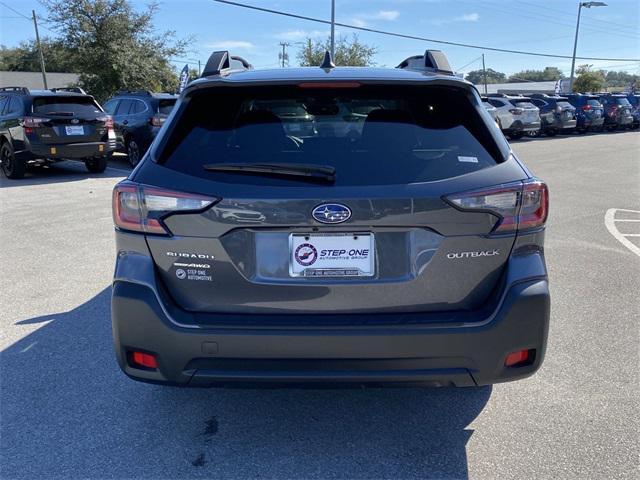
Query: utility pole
(333, 30)
(199, 70)
(484, 75)
(284, 56)
(44, 72)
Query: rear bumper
(567, 124)
(519, 126)
(590, 122)
(72, 150)
(460, 354)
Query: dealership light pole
(575, 43)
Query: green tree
(621, 79)
(588, 80)
(25, 57)
(477, 77)
(348, 52)
(546, 75)
(114, 46)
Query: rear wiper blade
(304, 171)
(61, 114)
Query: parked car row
(40, 127)
(538, 114)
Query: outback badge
(331, 213)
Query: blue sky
(544, 26)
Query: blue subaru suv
(138, 116)
(402, 243)
(589, 112)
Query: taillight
(140, 208)
(108, 121)
(520, 206)
(30, 123)
(516, 111)
(586, 108)
(157, 120)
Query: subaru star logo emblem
(75, 120)
(331, 213)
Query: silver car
(516, 115)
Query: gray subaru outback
(336, 226)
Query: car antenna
(327, 63)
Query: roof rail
(221, 62)
(134, 92)
(22, 90)
(69, 89)
(432, 60)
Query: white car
(515, 115)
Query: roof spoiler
(432, 60)
(69, 89)
(221, 62)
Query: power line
(553, 19)
(467, 64)
(588, 20)
(24, 16)
(414, 37)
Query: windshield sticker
(468, 159)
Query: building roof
(524, 87)
(33, 80)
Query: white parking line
(610, 222)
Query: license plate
(331, 255)
(74, 130)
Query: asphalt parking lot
(68, 412)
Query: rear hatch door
(379, 237)
(68, 119)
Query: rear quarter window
(370, 135)
(165, 106)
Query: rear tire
(11, 166)
(96, 165)
(516, 135)
(133, 152)
(552, 132)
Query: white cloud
(384, 15)
(467, 17)
(301, 34)
(231, 44)
(387, 15)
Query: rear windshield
(623, 101)
(522, 104)
(165, 106)
(370, 135)
(594, 103)
(58, 105)
(564, 105)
